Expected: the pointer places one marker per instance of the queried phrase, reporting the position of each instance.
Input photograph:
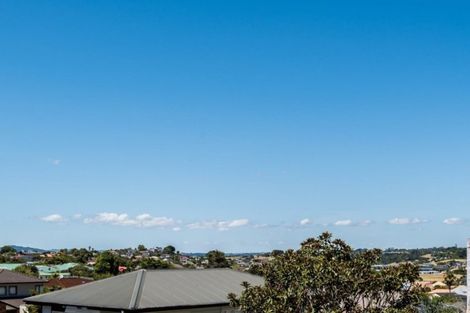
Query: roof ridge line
(137, 290)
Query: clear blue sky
(238, 125)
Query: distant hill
(27, 249)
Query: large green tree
(217, 259)
(450, 280)
(81, 270)
(108, 263)
(326, 276)
(81, 255)
(169, 250)
(7, 249)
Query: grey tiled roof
(159, 289)
(9, 277)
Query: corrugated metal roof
(55, 268)
(9, 277)
(9, 266)
(144, 290)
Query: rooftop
(67, 282)
(9, 277)
(154, 290)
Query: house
(45, 271)
(184, 259)
(51, 271)
(175, 291)
(14, 287)
(67, 282)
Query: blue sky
(238, 125)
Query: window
(38, 288)
(3, 291)
(12, 290)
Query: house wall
(22, 290)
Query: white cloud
(405, 221)
(53, 218)
(219, 225)
(351, 223)
(176, 228)
(365, 223)
(261, 225)
(55, 162)
(343, 223)
(142, 220)
(77, 216)
(453, 221)
(305, 221)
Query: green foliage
(108, 263)
(169, 250)
(450, 280)
(7, 250)
(437, 253)
(437, 305)
(153, 264)
(33, 308)
(141, 248)
(81, 255)
(327, 276)
(81, 271)
(256, 269)
(27, 270)
(99, 276)
(216, 259)
(60, 258)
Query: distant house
(67, 282)
(51, 271)
(45, 271)
(14, 287)
(184, 259)
(175, 291)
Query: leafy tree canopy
(7, 249)
(153, 264)
(81, 271)
(450, 280)
(326, 276)
(216, 259)
(169, 250)
(27, 270)
(108, 263)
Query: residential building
(14, 287)
(67, 282)
(175, 291)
